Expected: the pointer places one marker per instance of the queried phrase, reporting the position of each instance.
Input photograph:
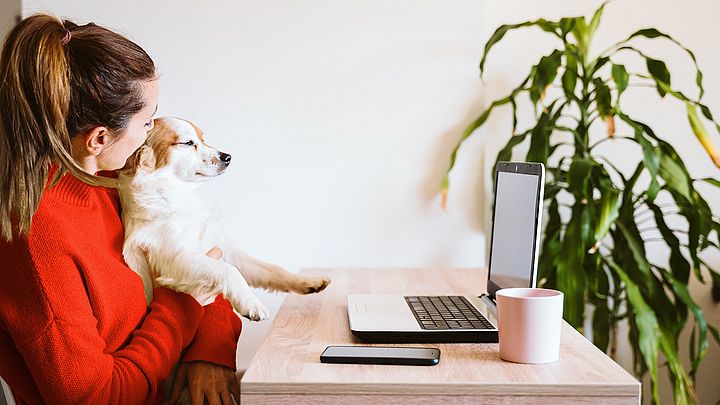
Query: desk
(287, 368)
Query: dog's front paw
(258, 313)
(310, 285)
(252, 309)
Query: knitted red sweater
(74, 326)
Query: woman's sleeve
(217, 336)
(55, 330)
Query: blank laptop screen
(514, 230)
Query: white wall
(340, 116)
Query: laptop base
(428, 337)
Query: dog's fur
(168, 230)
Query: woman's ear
(96, 140)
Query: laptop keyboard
(446, 312)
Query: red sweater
(74, 325)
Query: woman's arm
(217, 335)
(54, 328)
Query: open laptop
(514, 242)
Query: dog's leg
(197, 273)
(271, 277)
(135, 258)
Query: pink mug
(529, 321)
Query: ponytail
(48, 93)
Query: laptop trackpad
(382, 312)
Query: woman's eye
(150, 123)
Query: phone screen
(381, 352)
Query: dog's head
(177, 146)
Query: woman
(74, 324)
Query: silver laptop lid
(515, 236)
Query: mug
(529, 321)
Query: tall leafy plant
(595, 251)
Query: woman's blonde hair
(59, 80)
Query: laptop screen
(516, 215)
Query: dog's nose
(225, 157)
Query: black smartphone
(409, 356)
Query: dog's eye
(188, 143)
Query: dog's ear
(141, 159)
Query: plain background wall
(340, 116)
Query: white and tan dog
(168, 230)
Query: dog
(168, 230)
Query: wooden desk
(287, 367)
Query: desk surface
(287, 368)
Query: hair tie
(67, 37)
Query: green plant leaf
(701, 344)
(466, 133)
(706, 112)
(654, 33)
(629, 185)
(569, 77)
(551, 247)
(599, 63)
(658, 70)
(540, 140)
(595, 21)
(609, 205)
(702, 134)
(640, 271)
(650, 156)
(710, 180)
(545, 74)
(445, 184)
(674, 176)
(566, 25)
(570, 275)
(679, 266)
(579, 177)
(601, 324)
(600, 297)
(547, 26)
(691, 205)
(582, 37)
(602, 97)
(646, 323)
(620, 77)
(505, 154)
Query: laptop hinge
(489, 302)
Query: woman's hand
(205, 381)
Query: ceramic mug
(529, 321)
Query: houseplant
(600, 219)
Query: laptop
(514, 244)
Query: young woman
(74, 324)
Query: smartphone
(409, 356)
